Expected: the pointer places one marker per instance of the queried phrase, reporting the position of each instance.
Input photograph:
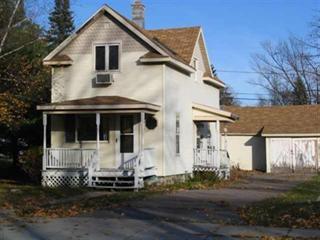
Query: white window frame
(107, 45)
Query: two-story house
(130, 104)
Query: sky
(233, 29)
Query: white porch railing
(205, 158)
(60, 158)
(209, 158)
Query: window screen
(87, 130)
(127, 134)
(70, 128)
(114, 57)
(100, 58)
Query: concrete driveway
(201, 214)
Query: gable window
(177, 134)
(196, 67)
(107, 57)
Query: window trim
(107, 45)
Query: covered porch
(98, 142)
(210, 147)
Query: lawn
(298, 208)
(35, 201)
(28, 200)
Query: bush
(200, 176)
(30, 162)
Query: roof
(100, 102)
(203, 113)
(181, 41)
(276, 120)
(177, 43)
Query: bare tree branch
(9, 25)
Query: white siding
(247, 152)
(140, 82)
(180, 92)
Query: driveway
(200, 214)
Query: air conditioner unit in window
(104, 78)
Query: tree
(227, 97)
(290, 70)
(24, 82)
(299, 95)
(61, 23)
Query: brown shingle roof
(303, 119)
(101, 100)
(181, 41)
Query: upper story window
(196, 67)
(195, 63)
(107, 57)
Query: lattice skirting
(63, 178)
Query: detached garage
(274, 139)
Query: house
(130, 104)
(273, 139)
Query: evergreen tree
(61, 23)
(227, 97)
(299, 94)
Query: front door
(126, 140)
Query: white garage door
(293, 153)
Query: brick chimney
(138, 13)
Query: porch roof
(100, 103)
(202, 113)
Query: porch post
(142, 123)
(98, 139)
(139, 161)
(218, 144)
(44, 157)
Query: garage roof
(276, 120)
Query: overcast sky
(233, 29)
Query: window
(195, 63)
(84, 128)
(126, 134)
(114, 57)
(100, 58)
(70, 128)
(177, 134)
(196, 67)
(107, 57)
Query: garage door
(288, 154)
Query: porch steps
(114, 179)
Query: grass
(35, 201)
(27, 200)
(298, 208)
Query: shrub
(200, 176)
(30, 162)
